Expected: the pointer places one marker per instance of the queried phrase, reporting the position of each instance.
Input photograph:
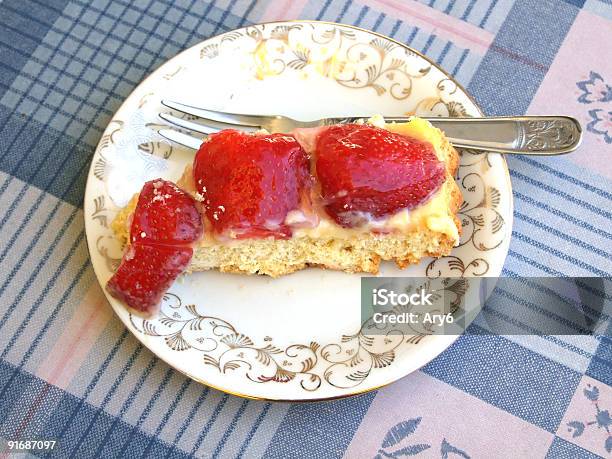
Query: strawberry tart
(341, 197)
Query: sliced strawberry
(366, 172)
(166, 220)
(145, 273)
(165, 214)
(250, 182)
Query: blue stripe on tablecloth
(43, 157)
(45, 17)
(110, 440)
(317, 430)
(572, 262)
(62, 403)
(71, 253)
(39, 239)
(128, 447)
(323, 10)
(100, 407)
(578, 221)
(508, 376)
(379, 20)
(209, 423)
(519, 312)
(61, 425)
(196, 406)
(50, 318)
(233, 419)
(563, 172)
(600, 7)
(94, 93)
(513, 68)
(469, 6)
(546, 233)
(603, 252)
(251, 434)
(600, 367)
(563, 449)
(230, 429)
(486, 14)
(169, 411)
(362, 15)
(577, 3)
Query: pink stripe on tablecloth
(578, 56)
(283, 9)
(435, 22)
(77, 339)
(443, 417)
(70, 350)
(580, 424)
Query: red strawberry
(365, 171)
(165, 214)
(166, 220)
(145, 273)
(250, 182)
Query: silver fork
(524, 135)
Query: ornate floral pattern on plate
(282, 339)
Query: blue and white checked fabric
(66, 66)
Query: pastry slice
(341, 197)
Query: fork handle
(523, 135)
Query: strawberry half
(164, 224)
(146, 272)
(250, 182)
(165, 214)
(369, 172)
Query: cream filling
(434, 215)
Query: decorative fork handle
(523, 135)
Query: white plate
(283, 339)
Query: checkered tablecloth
(70, 371)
